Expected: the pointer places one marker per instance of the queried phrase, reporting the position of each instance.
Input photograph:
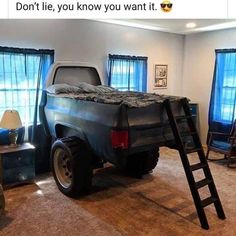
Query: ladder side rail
(186, 165)
(202, 157)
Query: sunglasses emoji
(166, 6)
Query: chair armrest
(212, 134)
(219, 133)
(232, 138)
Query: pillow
(4, 136)
(81, 87)
(63, 88)
(88, 88)
(4, 139)
(21, 135)
(104, 89)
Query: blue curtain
(45, 62)
(22, 75)
(223, 96)
(127, 73)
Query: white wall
(190, 59)
(199, 60)
(91, 41)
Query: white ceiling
(177, 25)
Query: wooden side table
(17, 164)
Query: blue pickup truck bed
(125, 129)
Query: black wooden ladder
(189, 168)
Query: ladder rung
(184, 117)
(192, 150)
(208, 201)
(197, 166)
(203, 183)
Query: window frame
(19, 57)
(128, 72)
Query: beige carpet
(158, 204)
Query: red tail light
(120, 139)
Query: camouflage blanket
(130, 99)
(105, 94)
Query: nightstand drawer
(18, 175)
(17, 164)
(18, 159)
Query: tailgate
(149, 126)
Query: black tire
(71, 165)
(142, 163)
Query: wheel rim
(62, 167)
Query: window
(22, 72)
(128, 73)
(224, 87)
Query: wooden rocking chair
(227, 147)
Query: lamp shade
(11, 120)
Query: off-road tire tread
(81, 165)
(142, 163)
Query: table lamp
(11, 120)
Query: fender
(66, 130)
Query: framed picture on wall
(160, 80)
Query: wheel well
(65, 131)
